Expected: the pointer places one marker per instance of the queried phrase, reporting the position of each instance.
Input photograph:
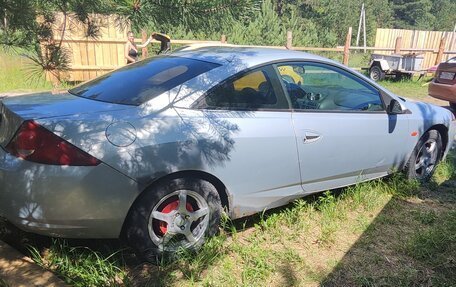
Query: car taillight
(34, 143)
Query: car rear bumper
(443, 91)
(64, 201)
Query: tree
(30, 24)
(333, 17)
(413, 14)
(445, 14)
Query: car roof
(245, 56)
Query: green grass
(14, 75)
(80, 266)
(407, 88)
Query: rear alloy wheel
(376, 73)
(425, 156)
(178, 214)
(179, 220)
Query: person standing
(131, 49)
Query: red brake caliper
(174, 205)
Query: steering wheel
(293, 89)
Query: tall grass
(14, 76)
(3, 283)
(80, 266)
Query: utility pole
(364, 27)
(362, 20)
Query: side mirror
(394, 108)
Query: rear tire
(177, 214)
(425, 157)
(453, 107)
(376, 73)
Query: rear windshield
(139, 82)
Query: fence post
(347, 46)
(223, 39)
(440, 53)
(144, 39)
(289, 40)
(397, 48)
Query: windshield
(139, 82)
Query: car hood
(48, 105)
(428, 114)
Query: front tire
(177, 214)
(425, 157)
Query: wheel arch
(216, 182)
(381, 63)
(443, 131)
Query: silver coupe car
(155, 151)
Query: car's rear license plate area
(447, 75)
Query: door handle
(310, 137)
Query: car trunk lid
(15, 110)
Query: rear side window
(139, 82)
(253, 90)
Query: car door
(261, 170)
(343, 132)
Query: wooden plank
(347, 46)
(93, 68)
(113, 55)
(98, 54)
(361, 48)
(111, 28)
(91, 54)
(105, 47)
(307, 48)
(106, 56)
(398, 46)
(440, 52)
(84, 62)
(120, 55)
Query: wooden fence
(421, 42)
(93, 57)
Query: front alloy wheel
(426, 159)
(425, 156)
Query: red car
(443, 86)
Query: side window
(316, 86)
(256, 89)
